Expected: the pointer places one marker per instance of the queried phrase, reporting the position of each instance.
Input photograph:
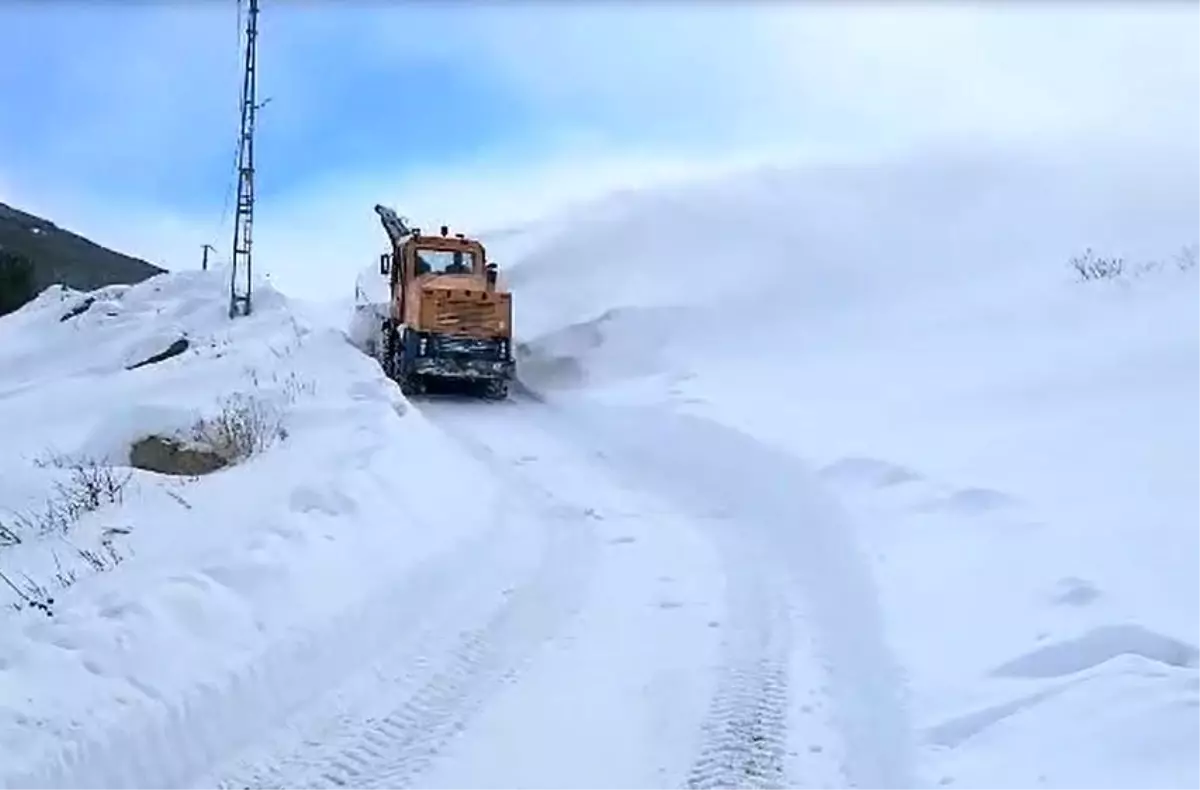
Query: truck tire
(412, 384)
(495, 389)
(387, 349)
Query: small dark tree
(16, 281)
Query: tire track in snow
(172, 744)
(639, 660)
(744, 736)
(495, 652)
(394, 721)
(769, 499)
(486, 657)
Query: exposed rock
(79, 309)
(170, 457)
(173, 350)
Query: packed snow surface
(819, 477)
(1018, 448)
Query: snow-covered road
(623, 622)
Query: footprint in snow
(367, 391)
(972, 501)
(1073, 591)
(331, 502)
(868, 472)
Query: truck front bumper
(459, 368)
(457, 357)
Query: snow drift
(1018, 444)
(191, 612)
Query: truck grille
(479, 348)
(468, 312)
(471, 316)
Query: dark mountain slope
(55, 255)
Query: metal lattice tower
(243, 223)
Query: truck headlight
(423, 346)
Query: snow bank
(181, 615)
(1018, 447)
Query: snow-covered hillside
(1018, 447)
(186, 614)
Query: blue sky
(119, 119)
(168, 120)
(138, 101)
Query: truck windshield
(445, 262)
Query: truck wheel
(386, 345)
(495, 389)
(412, 384)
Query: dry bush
(1090, 267)
(246, 425)
(90, 486)
(107, 557)
(31, 595)
(1187, 257)
(291, 387)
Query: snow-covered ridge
(207, 578)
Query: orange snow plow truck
(448, 318)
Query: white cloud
(1004, 71)
(670, 71)
(874, 72)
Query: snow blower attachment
(448, 319)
